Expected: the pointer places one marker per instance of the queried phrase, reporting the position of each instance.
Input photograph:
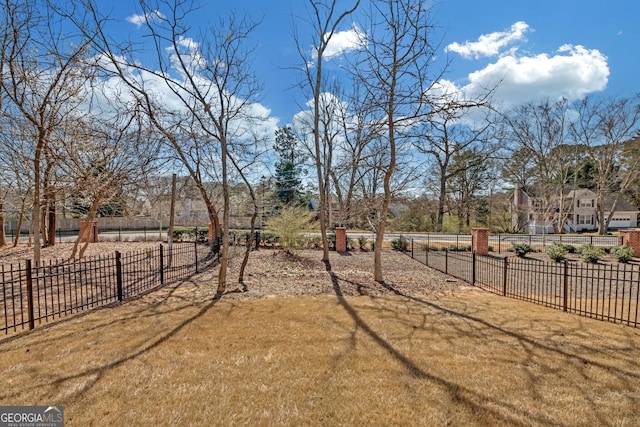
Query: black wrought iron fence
(605, 291)
(33, 294)
(503, 242)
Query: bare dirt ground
(9, 254)
(273, 272)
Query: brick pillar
(630, 238)
(480, 241)
(89, 231)
(341, 239)
(213, 232)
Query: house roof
(623, 204)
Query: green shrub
(362, 243)
(590, 253)
(331, 238)
(557, 252)
(189, 234)
(268, 239)
(290, 226)
(351, 244)
(314, 242)
(400, 244)
(456, 248)
(622, 253)
(521, 249)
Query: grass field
(471, 358)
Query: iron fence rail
(604, 291)
(35, 294)
(503, 242)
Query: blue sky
(539, 48)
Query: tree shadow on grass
(476, 402)
(512, 334)
(91, 376)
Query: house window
(586, 203)
(585, 219)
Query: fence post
(426, 253)
(499, 243)
(119, 275)
(473, 268)
(505, 272)
(446, 260)
(162, 263)
(32, 323)
(195, 247)
(565, 285)
(412, 247)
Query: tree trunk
(441, 201)
(254, 216)
(3, 237)
(172, 214)
(51, 219)
(386, 201)
(36, 199)
(91, 215)
(247, 250)
(321, 190)
(224, 254)
(43, 222)
(16, 238)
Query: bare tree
(353, 151)
(3, 237)
(396, 74)
(103, 153)
(538, 130)
(445, 137)
(326, 20)
(17, 180)
(470, 176)
(603, 127)
(212, 86)
(43, 74)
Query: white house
(575, 211)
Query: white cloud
(490, 44)
(573, 72)
(344, 41)
(139, 20)
(188, 54)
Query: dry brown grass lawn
(460, 357)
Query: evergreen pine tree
(288, 168)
